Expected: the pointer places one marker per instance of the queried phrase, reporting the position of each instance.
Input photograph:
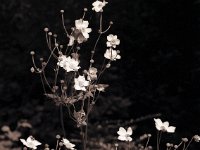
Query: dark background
(159, 71)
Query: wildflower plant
(75, 86)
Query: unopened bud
(32, 53)
(175, 146)
(61, 46)
(32, 70)
(62, 11)
(55, 35)
(50, 34)
(56, 45)
(46, 29)
(111, 22)
(91, 61)
(85, 9)
(58, 136)
(108, 65)
(185, 140)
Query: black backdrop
(158, 73)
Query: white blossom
(30, 142)
(113, 41)
(81, 83)
(98, 5)
(164, 126)
(67, 144)
(68, 63)
(196, 138)
(112, 54)
(124, 135)
(82, 26)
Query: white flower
(30, 142)
(68, 63)
(81, 83)
(112, 54)
(125, 135)
(82, 26)
(113, 41)
(67, 144)
(196, 138)
(92, 74)
(164, 126)
(98, 5)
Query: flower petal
(121, 131)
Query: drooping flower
(92, 74)
(68, 63)
(30, 142)
(98, 5)
(82, 26)
(101, 87)
(112, 54)
(67, 144)
(125, 135)
(113, 41)
(164, 126)
(81, 83)
(71, 40)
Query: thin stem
(189, 143)
(57, 144)
(63, 23)
(147, 142)
(61, 120)
(100, 25)
(129, 146)
(158, 139)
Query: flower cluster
(125, 135)
(76, 85)
(112, 42)
(32, 143)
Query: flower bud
(185, 140)
(58, 136)
(108, 65)
(91, 61)
(62, 11)
(32, 53)
(46, 29)
(56, 44)
(50, 33)
(32, 70)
